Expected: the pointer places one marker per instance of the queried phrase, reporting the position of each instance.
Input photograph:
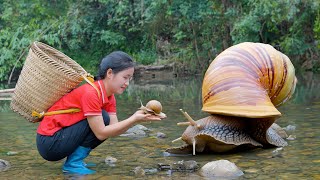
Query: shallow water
(299, 160)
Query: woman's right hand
(140, 116)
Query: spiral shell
(248, 80)
(155, 106)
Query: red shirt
(85, 98)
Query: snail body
(241, 89)
(218, 133)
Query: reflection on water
(299, 160)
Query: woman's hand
(140, 116)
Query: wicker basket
(46, 76)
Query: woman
(74, 135)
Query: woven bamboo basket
(46, 76)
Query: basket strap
(64, 111)
(90, 80)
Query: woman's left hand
(140, 116)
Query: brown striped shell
(248, 80)
(154, 106)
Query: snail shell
(248, 80)
(154, 106)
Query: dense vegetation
(186, 32)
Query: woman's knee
(44, 146)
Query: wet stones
(136, 131)
(140, 131)
(161, 135)
(110, 161)
(4, 165)
(180, 166)
(139, 171)
(221, 169)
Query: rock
(277, 152)
(151, 171)
(136, 131)
(110, 161)
(11, 153)
(161, 135)
(190, 165)
(138, 171)
(180, 166)
(152, 74)
(138, 127)
(291, 137)
(290, 129)
(220, 168)
(4, 165)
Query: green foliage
(112, 38)
(195, 31)
(316, 29)
(285, 23)
(145, 57)
(246, 30)
(293, 45)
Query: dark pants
(65, 141)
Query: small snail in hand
(241, 89)
(153, 107)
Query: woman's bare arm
(115, 128)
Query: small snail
(153, 107)
(241, 89)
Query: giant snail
(241, 89)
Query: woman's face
(120, 81)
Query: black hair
(117, 61)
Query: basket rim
(71, 63)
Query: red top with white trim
(85, 98)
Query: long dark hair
(117, 61)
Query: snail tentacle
(184, 124)
(192, 122)
(178, 139)
(194, 147)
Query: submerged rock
(220, 169)
(151, 171)
(290, 129)
(4, 165)
(110, 161)
(277, 152)
(161, 135)
(11, 153)
(291, 137)
(136, 131)
(139, 171)
(180, 166)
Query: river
(299, 160)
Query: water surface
(299, 160)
